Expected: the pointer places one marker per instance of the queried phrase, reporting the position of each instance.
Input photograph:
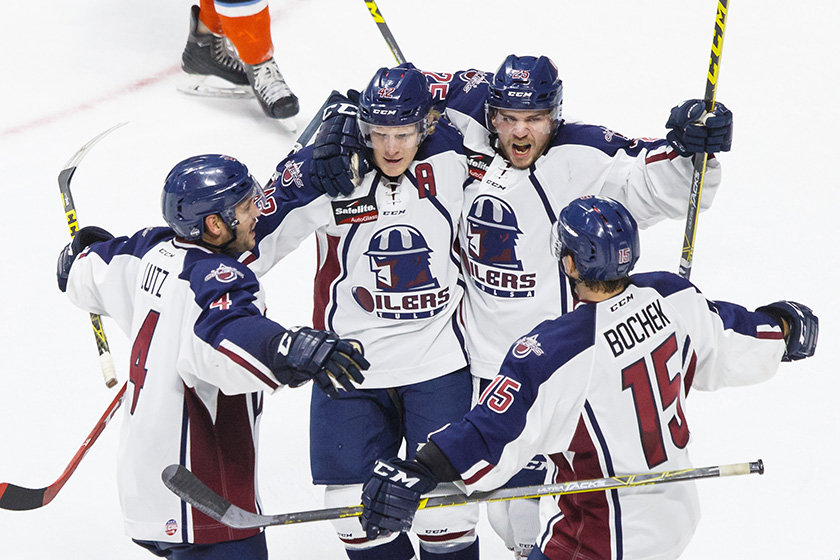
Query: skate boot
(271, 90)
(212, 66)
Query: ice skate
(211, 64)
(271, 90)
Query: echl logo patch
(291, 174)
(171, 527)
(224, 274)
(526, 345)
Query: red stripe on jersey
(442, 538)
(688, 379)
(667, 154)
(584, 529)
(247, 365)
(771, 335)
(479, 475)
(222, 455)
(324, 278)
(251, 257)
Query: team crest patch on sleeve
(356, 211)
(291, 174)
(224, 273)
(526, 345)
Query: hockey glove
(83, 239)
(338, 155)
(304, 354)
(391, 495)
(693, 130)
(803, 328)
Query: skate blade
(213, 86)
(288, 124)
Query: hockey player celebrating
(232, 40)
(601, 391)
(387, 275)
(202, 354)
(528, 164)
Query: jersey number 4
(637, 378)
(139, 353)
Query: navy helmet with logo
(525, 83)
(395, 97)
(204, 185)
(600, 234)
(399, 255)
(493, 231)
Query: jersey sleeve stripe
(246, 361)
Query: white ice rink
(72, 69)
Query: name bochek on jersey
(602, 391)
(513, 280)
(387, 273)
(199, 364)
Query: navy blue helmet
(395, 97)
(525, 83)
(600, 234)
(204, 185)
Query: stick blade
(18, 498)
(189, 488)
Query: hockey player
(387, 275)
(528, 164)
(202, 354)
(231, 40)
(601, 391)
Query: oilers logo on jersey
(405, 285)
(224, 273)
(493, 231)
(290, 175)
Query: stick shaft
(700, 160)
(190, 489)
(19, 498)
(106, 363)
(376, 14)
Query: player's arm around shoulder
(245, 351)
(291, 210)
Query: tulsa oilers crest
(405, 286)
(492, 232)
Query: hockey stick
(383, 29)
(190, 489)
(106, 363)
(19, 498)
(700, 160)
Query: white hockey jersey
(387, 274)
(199, 363)
(602, 391)
(513, 280)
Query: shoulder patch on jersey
(290, 174)
(527, 345)
(224, 273)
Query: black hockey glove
(83, 239)
(693, 131)
(803, 328)
(339, 158)
(322, 356)
(391, 495)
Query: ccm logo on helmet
(520, 94)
